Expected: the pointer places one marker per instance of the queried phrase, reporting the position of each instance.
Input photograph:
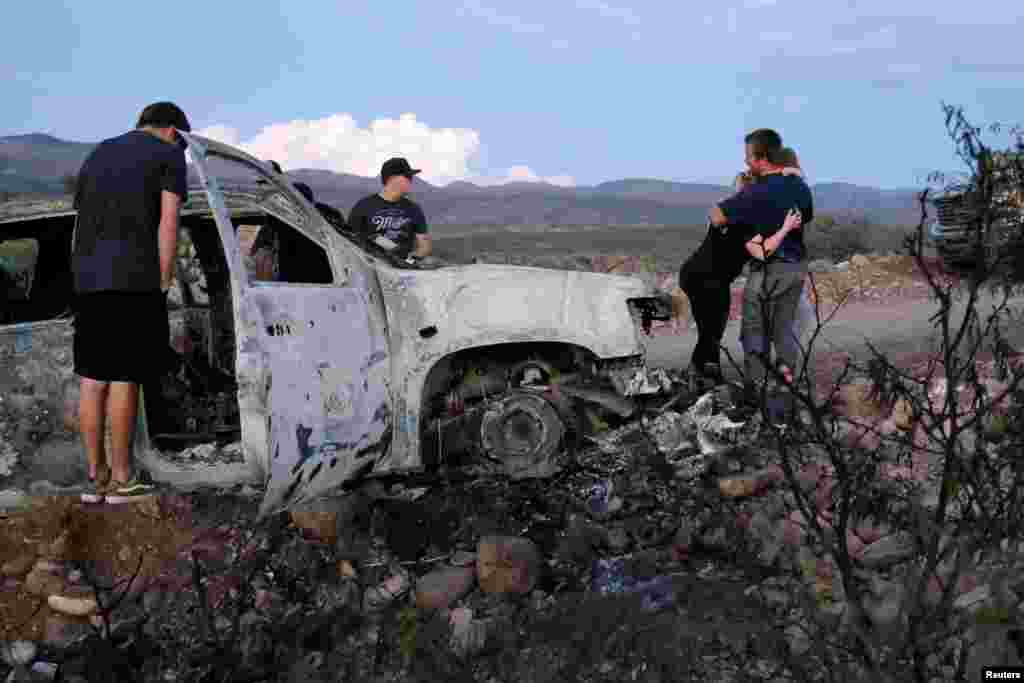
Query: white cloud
(525, 174)
(337, 143)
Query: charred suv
(963, 231)
(383, 367)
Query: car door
(312, 359)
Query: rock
(43, 583)
(18, 567)
(887, 551)
(46, 671)
(669, 432)
(18, 653)
(975, 600)
(799, 642)
(884, 605)
(469, 635)
(390, 590)
(73, 606)
(860, 261)
(820, 266)
(738, 487)
(856, 400)
(319, 524)
(507, 564)
(50, 567)
(442, 587)
(903, 415)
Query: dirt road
(899, 327)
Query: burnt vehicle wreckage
(387, 367)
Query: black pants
(710, 300)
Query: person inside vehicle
(296, 257)
(389, 218)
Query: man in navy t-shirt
(128, 196)
(775, 285)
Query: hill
(37, 163)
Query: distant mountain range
(37, 163)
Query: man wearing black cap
(389, 218)
(128, 196)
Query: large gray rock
(888, 550)
(442, 587)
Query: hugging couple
(762, 224)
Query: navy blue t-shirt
(118, 200)
(762, 208)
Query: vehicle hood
(490, 304)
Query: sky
(573, 92)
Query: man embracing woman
(761, 223)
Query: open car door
(312, 359)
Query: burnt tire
(524, 432)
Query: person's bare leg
(92, 405)
(122, 409)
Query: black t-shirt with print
(762, 208)
(399, 221)
(118, 202)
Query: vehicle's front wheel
(524, 432)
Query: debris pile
(653, 515)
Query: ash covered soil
(461, 576)
(405, 555)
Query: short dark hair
(765, 143)
(163, 115)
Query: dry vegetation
(870, 532)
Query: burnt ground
(302, 593)
(292, 586)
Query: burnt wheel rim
(521, 430)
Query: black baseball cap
(397, 166)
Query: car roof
(240, 201)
